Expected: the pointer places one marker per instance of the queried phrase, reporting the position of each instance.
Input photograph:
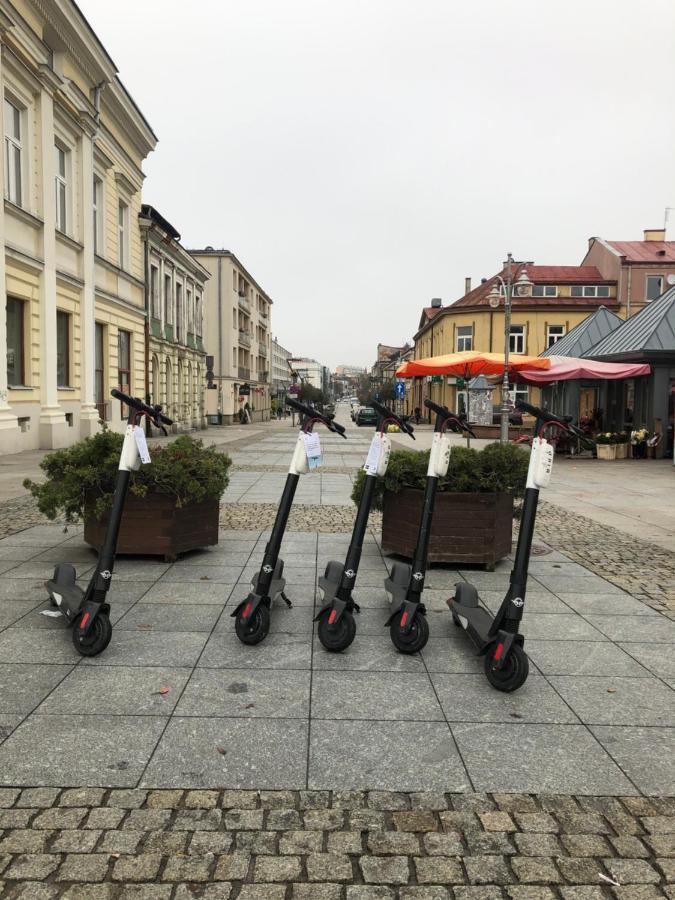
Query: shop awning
(469, 363)
(570, 368)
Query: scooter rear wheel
(256, 628)
(96, 639)
(414, 640)
(338, 637)
(513, 673)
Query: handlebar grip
(455, 422)
(388, 414)
(542, 414)
(437, 408)
(125, 398)
(164, 420)
(315, 414)
(155, 412)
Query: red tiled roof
(565, 275)
(431, 311)
(645, 251)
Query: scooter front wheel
(513, 673)
(254, 629)
(96, 639)
(339, 636)
(412, 641)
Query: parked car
(366, 416)
(515, 416)
(354, 410)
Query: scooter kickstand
(286, 600)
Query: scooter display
(498, 637)
(252, 615)
(407, 621)
(337, 627)
(87, 611)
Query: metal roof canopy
(652, 330)
(586, 334)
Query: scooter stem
(277, 535)
(106, 559)
(358, 533)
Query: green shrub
(85, 474)
(498, 468)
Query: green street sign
(460, 384)
(436, 378)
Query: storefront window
(15, 342)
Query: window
(517, 339)
(62, 349)
(518, 392)
(190, 312)
(123, 234)
(589, 290)
(15, 342)
(464, 338)
(168, 300)
(99, 371)
(154, 292)
(179, 311)
(124, 364)
(198, 313)
(553, 334)
(13, 153)
(544, 290)
(98, 215)
(654, 287)
(61, 187)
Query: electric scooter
(87, 611)
(252, 615)
(407, 622)
(497, 637)
(337, 627)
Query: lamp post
(493, 299)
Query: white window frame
(513, 339)
(123, 234)
(180, 312)
(61, 187)
(99, 215)
(168, 307)
(461, 339)
(518, 392)
(190, 310)
(14, 189)
(155, 305)
(649, 299)
(549, 334)
(547, 290)
(199, 315)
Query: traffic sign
(400, 390)
(294, 389)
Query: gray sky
(363, 157)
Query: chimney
(467, 285)
(655, 234)
(436, 303)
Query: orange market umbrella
(469, 363)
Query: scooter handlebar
(386, 413)
(565, 422)
(155, 412)
(453, 420)
(330, 424)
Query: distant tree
(311, 394)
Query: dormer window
(544, 290)
(589, 290)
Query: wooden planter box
(155, 526)
(466, 528)
(606, 451)
(493, 432)
(621, 451)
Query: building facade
(558, 298)
(281, 371)
(72, 260)
(237, 317)
(312, 372)
(174, 291)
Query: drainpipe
(630, 272)
(220, 336)
(146, 328)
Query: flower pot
(154, 526)
(466, 528)
(621, 451)
(606, 451)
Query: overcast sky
(363, 156)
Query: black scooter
(407, 622)
(252, 615)
(88, 610)
(497, 637)
(337, 627)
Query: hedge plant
(495, 469)
(81, 479)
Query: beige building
(72, 267)
(237, 328)
(176, 359)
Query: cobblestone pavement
(318, 845)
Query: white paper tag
(373, 460)
(142, 444)
(52, 613)
(313, 449)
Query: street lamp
(493, 299)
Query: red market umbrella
(469, 363)
(569, 368)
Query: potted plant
(173, 502)
(638, 440)
(605, 445)
(473, 513)
(621, 445)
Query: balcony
(244, 338)
(262, 349)
(264, 317)
(244, 373)
(264, 376)
(244, 305)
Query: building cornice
(20, 213)
(122, 273)
(227, 254)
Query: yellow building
(558, 298)
(73, 269)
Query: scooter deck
(478, 620)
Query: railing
(262, 349)
(245, 305)
(244, 338)
(263, 316)
(244, 373)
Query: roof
(645, 251)
(652, 329)
(565, 275)
(158, 219)
(586, 334)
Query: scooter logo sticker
(418, 576)
(350, 573)
(267, 569)
(106, 573)
(518, 601)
